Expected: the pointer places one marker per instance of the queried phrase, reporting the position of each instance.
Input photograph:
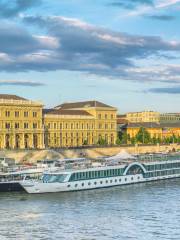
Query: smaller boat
(10, 180)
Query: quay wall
(31, 156)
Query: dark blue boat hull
(10, 187)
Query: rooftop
(65, 112)
(154, 125)
(84, 104)
(11, 97)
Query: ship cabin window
(51, 178)
(96, 174)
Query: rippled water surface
(145, 211)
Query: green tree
(118, 141)
(123, 138)
(85, 142)
(102, 142)
(143, 136)
(133, 140)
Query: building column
(22, 141)
(30, 140)
(12, 141)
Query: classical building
(144, 116)
(170, 117)
(20, 123)
(80, 123)
(157, 130)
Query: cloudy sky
(123, 52)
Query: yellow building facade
(80, 123)
(20, 123)
(24, 124)
(144, 116)
(155, 130)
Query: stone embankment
(31, 156)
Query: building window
(7, 113)
(26, 114)
(34, 114)
(34, 125)
(16, 114)
(26, 125)
(99, 116)
(16, 125)
(7, 125)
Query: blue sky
(124, 53)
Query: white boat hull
(40, 187)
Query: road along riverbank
(34, 155)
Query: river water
(143, 211)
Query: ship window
(76, 185)
(96, 174)
(110, 181)
(82, 184)
(106, 181)
(69, 185)
(51, 178)
(95, 183)
(125, 179)
(132, 178)
(101, 182)
(115, 180)
(120, 180)
(101, 173)
(89, 183)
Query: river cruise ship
(107, 173)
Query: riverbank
(32, 156)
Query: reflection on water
(143, 211)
